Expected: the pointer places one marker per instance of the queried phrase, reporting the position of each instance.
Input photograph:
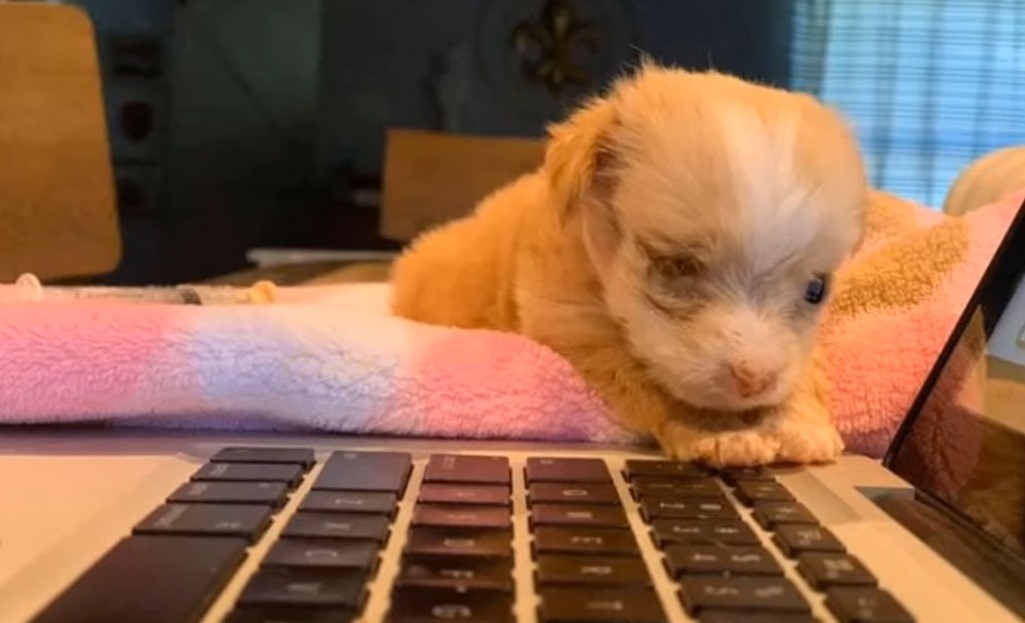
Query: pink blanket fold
(326, 365)
(333, 359)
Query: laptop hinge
(996, 571)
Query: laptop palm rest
(975, 555)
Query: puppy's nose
(751, 381)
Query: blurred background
(237, 125)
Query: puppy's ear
(578, 156)
(862, 220)
(580, 164)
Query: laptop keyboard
(580, 539)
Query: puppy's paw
(808, 441)
(745, 448)
(678, 441)
(737, 448)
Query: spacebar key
(150, 579)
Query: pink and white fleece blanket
(332, 358)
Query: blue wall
(266, 107)
(447, 65)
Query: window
(929, 85)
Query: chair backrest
(433, 177)
(57, 202)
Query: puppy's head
(714, 213)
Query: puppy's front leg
(798, 431)
(803, 426)
(734, 446)
(608, 367)
(683, 432)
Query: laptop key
(350, 502)
(458, 543)
(673, 508)
(240, 454)
(727, 616)
(583, 493)
(329, 588)
(646, 486)
(751, 491)
(423, 605)
(588, 570)
(340, 554)
(822, 570)
(463, 575)
(448, 516)
(543, 469)
(285, 614)
(590, 541)
(726, 532)
(577, 515)
(365, 471)
(288, 473)
(795, 539)
(701, 593)
(865, 605)
(664, 469)
(734, 476)
(242, 520)
(720, 560)
(337, 526)
(466, 468)
(270, 493)
(599, 605)
(149, 579)
(770, 514)
(439, 493)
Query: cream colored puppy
(677, 247)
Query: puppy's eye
(817, 289)
(676, 267)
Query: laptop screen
(964, 442)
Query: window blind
(929, 85)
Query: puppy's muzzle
(751, 381)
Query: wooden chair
(58, 216)
(433, 177)
(429, 178)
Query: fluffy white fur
(666, 248)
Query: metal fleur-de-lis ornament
(547, 46)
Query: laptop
(103, 525)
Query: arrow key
(336, 588)
(719, 560)
(600, 605)
(419, 605)
(350, 502)
(318, 553)
(584, 570)
(770, 594)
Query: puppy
(677, 246)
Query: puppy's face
(715, 213)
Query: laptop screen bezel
(993, 293)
